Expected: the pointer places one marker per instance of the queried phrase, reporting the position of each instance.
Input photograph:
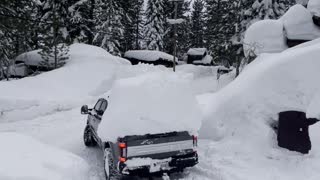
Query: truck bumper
(170, 165)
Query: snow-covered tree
(133, 24)
(54, 33)
(197, 26)
(82, 21)
(109, 29)
(155, 24)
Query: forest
(122, 25)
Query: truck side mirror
(84, 109)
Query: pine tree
(220, 28)
(109, 30)
(183, 29)
(197, 26)
(133, 24)
(82, 21)
(55, 34)
(155, 24)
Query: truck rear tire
(88, 138)
(110, 169)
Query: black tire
(88, 138)
(110, 169)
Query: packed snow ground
(47, 108)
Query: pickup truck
(140, 155)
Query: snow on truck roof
(158, 102)
(148, 55)
(197, 51)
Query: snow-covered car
(140, 155)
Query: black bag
(293, 131)
(316, 20)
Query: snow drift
(238, 117)
(24, 158)
(152, 103)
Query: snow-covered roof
(32, 58)
(197, 51)
(299, 25)
(149, 55)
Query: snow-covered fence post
(174, 22)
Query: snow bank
(286, 81)
(299, 25)
(314, 7)
(152, 103)
(238, 117)
(266, 36)
(89, 72)
(24, 158)
(148, 55)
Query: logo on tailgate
(147, 142)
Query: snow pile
(314, 7)
(299, 25)
(24, 158)
(89, 72)
(148, 55)
(238, 117)
(152, 103)
(265, 36)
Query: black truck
(140, 155)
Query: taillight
(195, 141)
(123, 152)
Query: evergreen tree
(197, 26)
(155, 24)
(220, 19)
(54, 33)
(183, 29)
(109, 30)
(133, 24)
(82, 21)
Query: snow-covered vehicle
(140, 155)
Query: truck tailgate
(159, 146)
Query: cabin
(150, 57)
(199, 56)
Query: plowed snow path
(65, 129)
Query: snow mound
(148, 55)
(238, 118)
(32, 58)
(266, 36)
(24, 158)
(314, 7)
(299, 25)
(157, 102)
(269, 85)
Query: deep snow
(25, 158)
(238, 117)
(47, 107)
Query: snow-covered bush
(264, 36)
(299, 25)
